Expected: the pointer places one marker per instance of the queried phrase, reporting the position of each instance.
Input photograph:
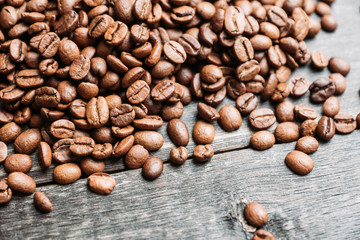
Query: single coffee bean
(48, 45)
(234, 21)
(97, 112)
(62, 129)
(278, 16)
(3, 151)
(47, 97)
(289, 44)
(329, 23)
(247, 71)
(9, 132)
(339, 82)
(61, 151)
(243, 49)
(17, 50)
(42, 202)
(89, 166)
(28, 141)
(136, 157)
(183, 14)
(298, 85)
(67, 173)
(211, 73)
(262, 234)
(82, 146)
(230, 118)
(101, 183)
(178, 132)
(122, 115)
(203, 153)
(203, 132)
(178, 155)
(22, 183)
(246, 103)
(79, 68)
(11, 94)
(5, 191)
(123, 146)
(150, 140)
(285, 112)
(122, 132)
(281, 92)
(302, 23)
(163, 90)
(101, 151)
(255, 214)
(307, 144)
(150, 122)
(276, 56)
(67, 23)
(190, 44)
(325, 128)
(175, 52)
(270, 87)
(308, 128)
(260, 42)
(234, 88)
(262, 140)
(262, 118)
(319, 59)
(5, 117)
(99, 25)
(44, 155)
(207, 112)
(305, 112)
(321, 89)
(116, 33)
(287, 132)
(344, 123)
(339, 65)
(18, 163)
(152, 168)
(331, 107)
(137, 92)
(299, 162)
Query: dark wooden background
(205, 201)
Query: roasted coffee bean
(302, 55)
(178, 132)
(122, 116)
(11, 94)
(262, 140)
(331, 107)
(9, 132)
(302, 24)
(289, 44)
(319, 59)
(79, 68)
(42, 202)
(315, 27)
(234, 88)
(172, 111)
(101, 151)
(44, 155)
(276, 56)
(262, 118)
(344, 123)
(82, 146)
(308, 128)
(203, 132)
(99, 25)
(22, 116)
(178, 155)
(261, 42)
(190, 44)
(116, 33)
(5, 191)
(230, 118)
(150, 122)
(163, 90)
(137, 92)
(28, 141)
(175, 52)
(122, 132)
(87, 90)
(3, 151)
(123, 146)
(262, 234)
(339, 65)
(22, 183)
(298, 85)
(6, 64)
(270, 87)
(339, 82)
(66, 173)
(255, 214)
(307, 144)
(325, 128)
(139, 33)
(47, 97)
(152, 168)
(234, 21)
(211, 73)
(270, 30)
(89, 166)
(285, 112)
(277, 16)
(17, 50)
(183, 14)
(243, 49)
(203, 153)
(246, 103)
(62, 129)
(67, 23)
(281, 92)
(247, 71)
(329, 23)
(299, 162)
(102, 135)
(18, 163)
(136, 157)
(321, 89)
(61, 151)
(48, 45)
(97, 112)
(150, 140)
(101, 183)
(207, 112)
(5, 117)
(287, 132)
(305, 112)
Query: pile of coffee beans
(82, 81)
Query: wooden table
(205, 201)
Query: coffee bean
(285, 112)
(183, 14)
(262, 140)
(152, 168)
(344, 123)
(122, 132)
(298, 86)
(42, 202)
(137, 92)
(339, 82)
(123, 146)
(99, 25)
(178, 132)
(82, 146)
(281, 92)
(62, 129)
(255, 214)
(139, 33)
(321, 89)
(299, 162)
(175, 52)
(234, 21)
(331, 107)
(97, 112)
(48, 45)
(123, 10)
(44, 155)
(230, 118)
(150, 122)
(276, 56)
(61, 151)
(190, 44)
(329, 23)
(270, 87)
(243, 49)
(178, 155)
(339, 65)
(211, 73)
(22, 183)
(302, 55)
(287, 132)
(136, 157)
(101, 151)
(23, 115)
(9, 132)
(305, 112)
(11, 94)
(3, 151)
(262, 234)
(79, 68)
(203, 132)
(246, 103)
(122, 116)
(301, 25)
(67, 23)
(150, 140)
(203, 153)
(116, 33)
(307, 144)
(5, 117)
(17, 50)
(234, 88)
(262, 118)
(28, 141)
(260, 42)
(18, 163)
(289, 44)
(66, 173)
(163, 90)
(319, 59)
(247, 71)
(47, 97)
(89, 166)
(270, 30)
(101, 183)
(207, 112)
(308, 128)
(5, 191)
(325, 128)
(277, 16)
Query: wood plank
(202, 200)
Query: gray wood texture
(202, 201)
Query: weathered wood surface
(201, 201)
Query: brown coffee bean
(183, 14)
(48, 45)
(262, 118)
(136, 157)
(178, 132)
(307, 144)
(44, 155)
(344, 123)
(260, 42)
(308, 128)
(299, 162)
(122, 116)
(5, 191)
(255, 214)
(203, 132)
(137, 92)
(301, 25)
(152, 168)
(97, 112)
(5, 117)
(67, 173)
(339, 65)
(287, 132)
(139, 33)
(67, 23)
(305, 112)
(230, 118)
(123, 146)
(203, 153)
(42, 202)
(11, 94)
(122, 132)
(325, 128)
(79, 68)
(270, 87)
(150, 122)
(243, 49)
(18, 163)
(207, 112)
(278, 16)
(3, 151)
(234, 21)
(150, 140)
(247, 71)
(101, 183)
(116, 33)
(23, 115)
(17, 50)
(281, 92)
(246, 103)
(47, 97)
(285, 112)
(61, 151)
(89, 166)
(298, 85)
(163, 90)
(82, 146)
(99, 25)
(276, 56)
(262, 140)
(319, 59)
(175, 52)
(28, 141)
(9, 132)
(172, 111)
(62, 129)
(331, 107)
(22, 183)
(339, 82)
(262, 234)
(211, 73)
(178, 155)
(329, 23)
(102, 151)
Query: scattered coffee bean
(308, 128)
(344, 123)
(136, 157)
(152, 168)
(339, 65)
(331, 107)
(325, 128)
(42, 202)
(230, 118)
(5, 191)
(82, 146)
(28, 141)
(101, 183)
(262, 234)
(18, 163)
(307, 144)
(3, 151)
(178, 155)
(287, 132)
(255, 214)
(262, 140)
(22, 183)
(305, 112)
(89, 166)
(299, 162)
(339, 82)
(178, 132)
(262, 118)
(150, 140)
(203, 132)
(246, 103)
(285, 112)
(321, 89)
(207, 112)
(67, 173)
(319, 59)
(203, 153)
